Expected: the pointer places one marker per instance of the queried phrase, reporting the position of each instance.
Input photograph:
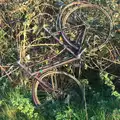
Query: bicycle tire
(58, 94)
(73, 7)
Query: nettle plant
(108, 80)
(23, 105)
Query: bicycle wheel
(85, 24)
(103, 59)
(47, 8)
(59, 86)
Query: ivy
(108, 80)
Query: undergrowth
(16, 104)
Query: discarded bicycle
(81, 28)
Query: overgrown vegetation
(21, 36)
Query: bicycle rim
(98, 28)
(61, 86)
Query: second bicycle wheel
(58, 86)
(86, 24)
